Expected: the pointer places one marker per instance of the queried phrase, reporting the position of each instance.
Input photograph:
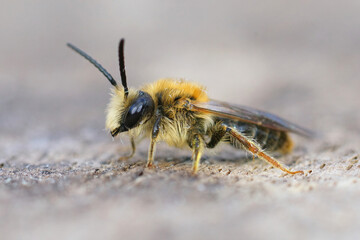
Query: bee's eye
(134, 114)
(141, 109)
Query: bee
(181, 114)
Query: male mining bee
(181, 114)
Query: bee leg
(133, 149)
(197, 143)
(218, 132)
(154, 135)
(255, 149)
(150, 161)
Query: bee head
(127, 109)
(127, 113)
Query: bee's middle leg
(197, 143)
(217, 134)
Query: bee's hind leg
(255, 149)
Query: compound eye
(141, 109)
(134, 114)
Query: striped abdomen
(269, 140)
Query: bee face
(137, 111)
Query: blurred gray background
(298, 59)
(285, 57)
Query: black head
(139, 111)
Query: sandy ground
(297, 59)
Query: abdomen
(268, 139)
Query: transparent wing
(249, 115)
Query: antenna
(122, 67)
(98, 66)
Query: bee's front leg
(133, 149)
(197, 143)
(153, 139)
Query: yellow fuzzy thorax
(169, 93)
(174, 88)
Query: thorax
(176, 122)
